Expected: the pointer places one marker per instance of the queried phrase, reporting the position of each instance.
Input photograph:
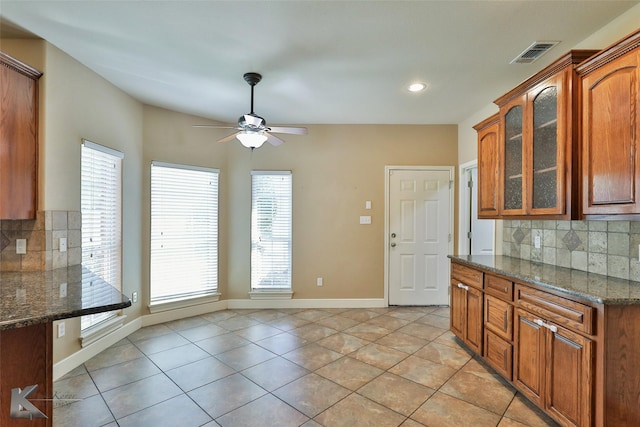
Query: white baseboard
(306, 303)
(69, 363)
(181, 313)
(79, 357)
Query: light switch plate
(367, 204)
(365, 219)
(21, 246)
(537, 242)
(63, 290)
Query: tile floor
(311, 367)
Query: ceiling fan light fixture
(251, 139)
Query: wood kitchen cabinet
(498, 324)
(18, 139)
(610, 87)
(466, 306)
(488, 168)
(553, 367)
(537, 142)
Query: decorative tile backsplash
(43, 241)
(602, 247)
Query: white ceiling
(325, 62)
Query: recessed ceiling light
(417, 87)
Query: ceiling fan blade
(273, 140)
(228, 138)
(215, 126)
(288, 129)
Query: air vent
(533, 52)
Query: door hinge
(449, 237)
(470, 184)
(468, 235)
(450, 185)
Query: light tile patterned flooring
(279, 368)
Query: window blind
(184, 232)
(271, 207)
(101, 208)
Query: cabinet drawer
(564, 312)
(498, 317)
(499, 354)
(466, 275)
(498, 287)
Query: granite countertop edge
(477, 261)
(46, 318)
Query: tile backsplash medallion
(602, 247)
(43, 241)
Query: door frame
(387, 175)
(464, 208)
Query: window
(184, 232)
(101, 208)
(271, 230)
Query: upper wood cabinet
(610, 130)
(537, 141)
(488, 173)
(18, 139)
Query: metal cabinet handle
(552, 328)
(461, 286)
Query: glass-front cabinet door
(513, 194)
(547, 162)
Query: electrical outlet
(537, 242)
(134, 297)
(21, 246)
(63, 290)
(319, 281)
(61, 329)
(63, 244)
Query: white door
(482, 230)
(419, 236)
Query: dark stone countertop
(589, 286)
(29, 298)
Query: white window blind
(101, 208)
(271, 207)
(184, 232)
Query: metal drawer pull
(461, 286)
(505, 289)
(552, 328)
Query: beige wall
(75, 103)
(335, 170)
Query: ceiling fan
(252, 129)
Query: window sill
(271, 294)
(182, 303)
(102, 329)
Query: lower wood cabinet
(553, 367)
(577, 360)
(26, 359)
(466, 314)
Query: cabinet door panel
(498, 316)
(488, 171)
(498, 353)
(513, 156)
(546, 103)
(610, 128)
(458, 310)
(18, 145)
(474, 320)
(568, 382)
(528, 363)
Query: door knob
(393, 235)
